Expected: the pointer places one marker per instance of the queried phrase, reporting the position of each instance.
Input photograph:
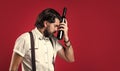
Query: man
(47, 23)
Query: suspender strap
(53, 48)
(32, 51)
(51, 41)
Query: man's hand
(64, 27)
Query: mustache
(54, 31)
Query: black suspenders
(53, 49)
(33, 51)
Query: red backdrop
(94, 29)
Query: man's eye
(56, 26)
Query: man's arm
(66, 52)
(15, 61)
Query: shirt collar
(39, 34)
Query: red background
(94, 30)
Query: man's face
(51, 28)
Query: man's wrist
(68, 46)
(67, 43)
(66, 38)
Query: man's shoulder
(24, 35)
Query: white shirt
(44, 51)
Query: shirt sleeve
(58, 46)
(19, 46)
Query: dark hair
(47, 15)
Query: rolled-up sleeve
(19, 46)
(58, 46)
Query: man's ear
(45, 23)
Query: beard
(47, 33)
